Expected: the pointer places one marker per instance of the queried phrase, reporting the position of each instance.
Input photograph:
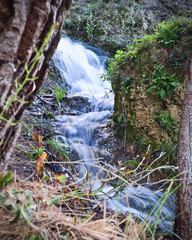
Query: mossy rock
(111, 25)
(149, 83)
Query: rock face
(111, 25)
(23, 26)
(140, 110)
(149, 82)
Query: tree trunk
(184, 162)
(23, 26)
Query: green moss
(151, 67)
(114, 24)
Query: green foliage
(118, 22)
(162, 83)
(35, 152)
(61, 178)
(172, 32)
(121, 60)
(90, 27)
(6, 179)
(142, 42)
(167, 122)
(34, 237)
(170, 152)
(59, 94)
(28, 128)
(89, 6)
(132, 164)
(156, 211)
(47, 114)
(18, 202)
(155, 64)
(59, 150)
(167, 33)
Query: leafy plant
(144, 41)
(28, 128)
(59, 94)
(90, 27)
(166, 121)
(167, 33)
(5, 179)
(33, 154)
(162, 83)
(47, 114)
(121, 79)
(38, 150)
(58, 149)
(89, 6)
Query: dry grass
(51, 222)
(62, 219)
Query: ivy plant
(166, 121)
(162, 83)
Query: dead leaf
(88, 193)
(37, 138)
(39, 162)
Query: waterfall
(90, 106)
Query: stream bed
(83, 126)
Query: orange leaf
(34, 136)
(56, 175)
(1, 175)
(40, 160)
(88, 192)
(39, 140)
(128, 172)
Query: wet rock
(78, 103)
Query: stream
(89, 110)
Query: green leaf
(33, 237)
(61, 178)
(151, 88)
(5, 180)
(45, 178)
(18, 213)
(132, 163)
(174, 84)
(145, 166)
(55, 201)
(162, 93)
(2, 198)
(113, 185)
(119, 118)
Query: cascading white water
(81, 69)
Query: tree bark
(184, 162)
(23, 26)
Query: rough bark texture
(23, 26)
(184, 162)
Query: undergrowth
(152, 67)
(51, 206)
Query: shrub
(162, 83)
